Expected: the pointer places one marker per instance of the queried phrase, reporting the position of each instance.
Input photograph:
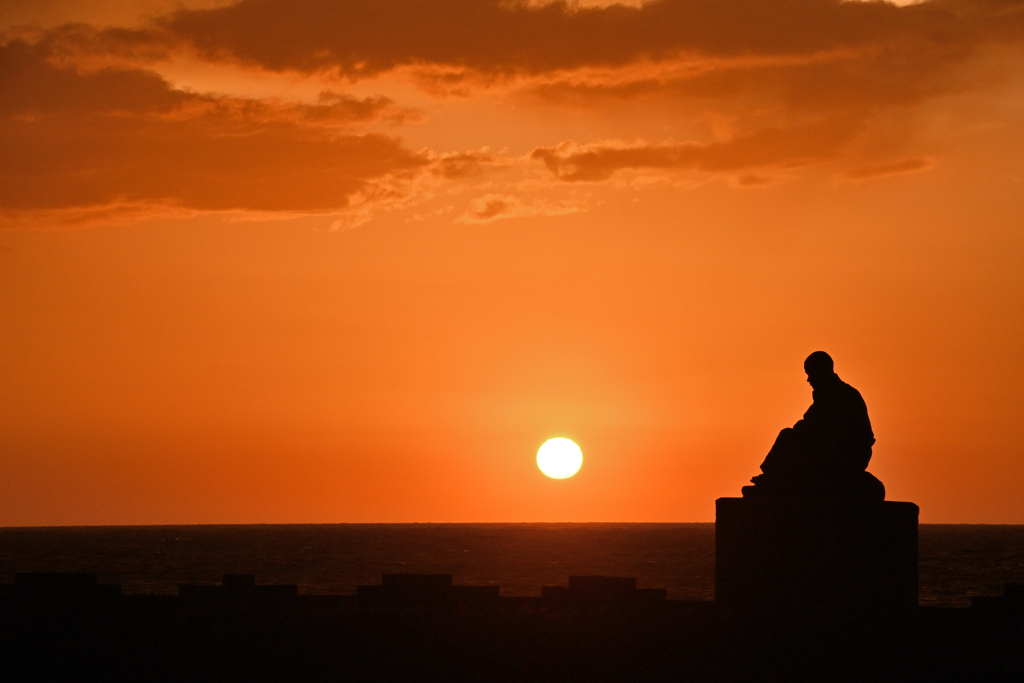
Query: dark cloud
(58, 162)
(32, 85)
(35, 82)
(86, 123)
(361, 38)
(71, 139)
(774, 70)
(890, 75)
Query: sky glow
(311, 260)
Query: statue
(827, 452)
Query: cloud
(334, 110)
(89, 128)
(57, 162)
(360, 38)
(842, 81)
(892, 168)
(493, 207)
(460, 165)
(811, 73)
(35, 82)
(32, 85)
(117, 212)
(756, 180)
(102, 12)
(113, 140)
(777, 148)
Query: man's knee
(784, 439)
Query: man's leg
(776, 468)
(781, 458)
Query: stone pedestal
(816, 557)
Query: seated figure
(827, 452)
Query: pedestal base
(815, 557)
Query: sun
(559, 458)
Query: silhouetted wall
(815, 556)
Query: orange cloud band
(87, 126)
(363, 38)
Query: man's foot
(752, 492)
(760, 488)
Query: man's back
(837, 423)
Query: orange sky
(353, 261)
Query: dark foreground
(956, 562)
(419, 628)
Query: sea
(956, 561)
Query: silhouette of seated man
(827, 452)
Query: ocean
(956, 561)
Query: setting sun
(559, 458)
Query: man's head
(819, 368)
